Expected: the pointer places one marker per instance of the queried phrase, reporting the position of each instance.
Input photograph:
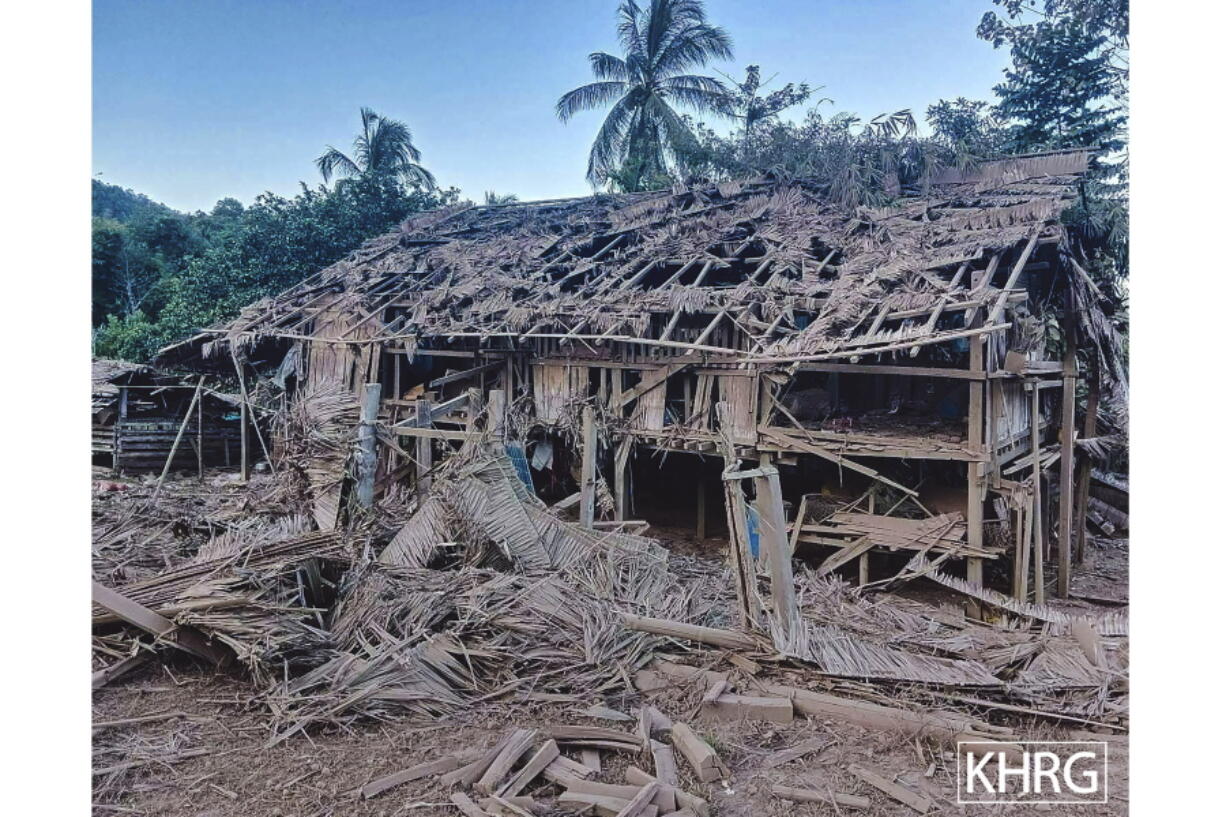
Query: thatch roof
(800, 276)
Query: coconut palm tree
(384, 146)
(643, 131)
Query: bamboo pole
(1084, 469)
(587, 487)
(1040, 589)
(1068, 432)
(178, 437)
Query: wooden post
(117, 436)
(425, 448)
(773, 540)
(1084, 468)
(1020, 563)
(622, 507)
(587, 486)
(1036, 514)
(244, 463)
(200, 438)
(497, 407)
(366, 459)
(1068, 432)
(974, 475)
(762, 503)
(738, 537)
(862, 573)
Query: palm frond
(697, 92)
(691, 47)
(333, 162)
(587, 97)
(606, 66)
(608, 148)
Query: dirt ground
(230, 771)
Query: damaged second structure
(871, 387)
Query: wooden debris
(590, 758)
(468, 774)
(802, 749)
(185, 638)
(428, 769)
(641, 802)
(814, 796)
(728, 639)
(943, 726)
(603, 805)
(684, 799)
(543, 757)
(508, 806)
(519, 743)
(564, 771)
(748, 707)
(919, 802)
(605, 713)
(698, 753)
(665, 763)
(466, 806)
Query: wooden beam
(1036, 514)
(465, 374)
(999, 307)
(1084, 467)
(809, 447)
(136, 614)
(974, 470)
(424, 454)
(911, 371)
(364, 490)
(1068, 433)
(773, 540)
(187, 415)
(649, 382)
(587, 487)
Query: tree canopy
(643, 132)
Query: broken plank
(443, 764)
(684, 799)
(543, 757)
(665, 763)
(748, 707)
(187, 639)
(520, 742)
(698, 753)
(902, 794)
(728, 639)
(814, 796)
(466, 806)
(638, 805)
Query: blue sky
(195, 100)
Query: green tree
(384, 147)
(745, 102)
(850, 161)
(1106, 18)
(1058, 92)
(643, 131)
(967, 127)
(260, 250)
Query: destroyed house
(890, 372)
(142, 417)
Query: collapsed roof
(798, 277)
